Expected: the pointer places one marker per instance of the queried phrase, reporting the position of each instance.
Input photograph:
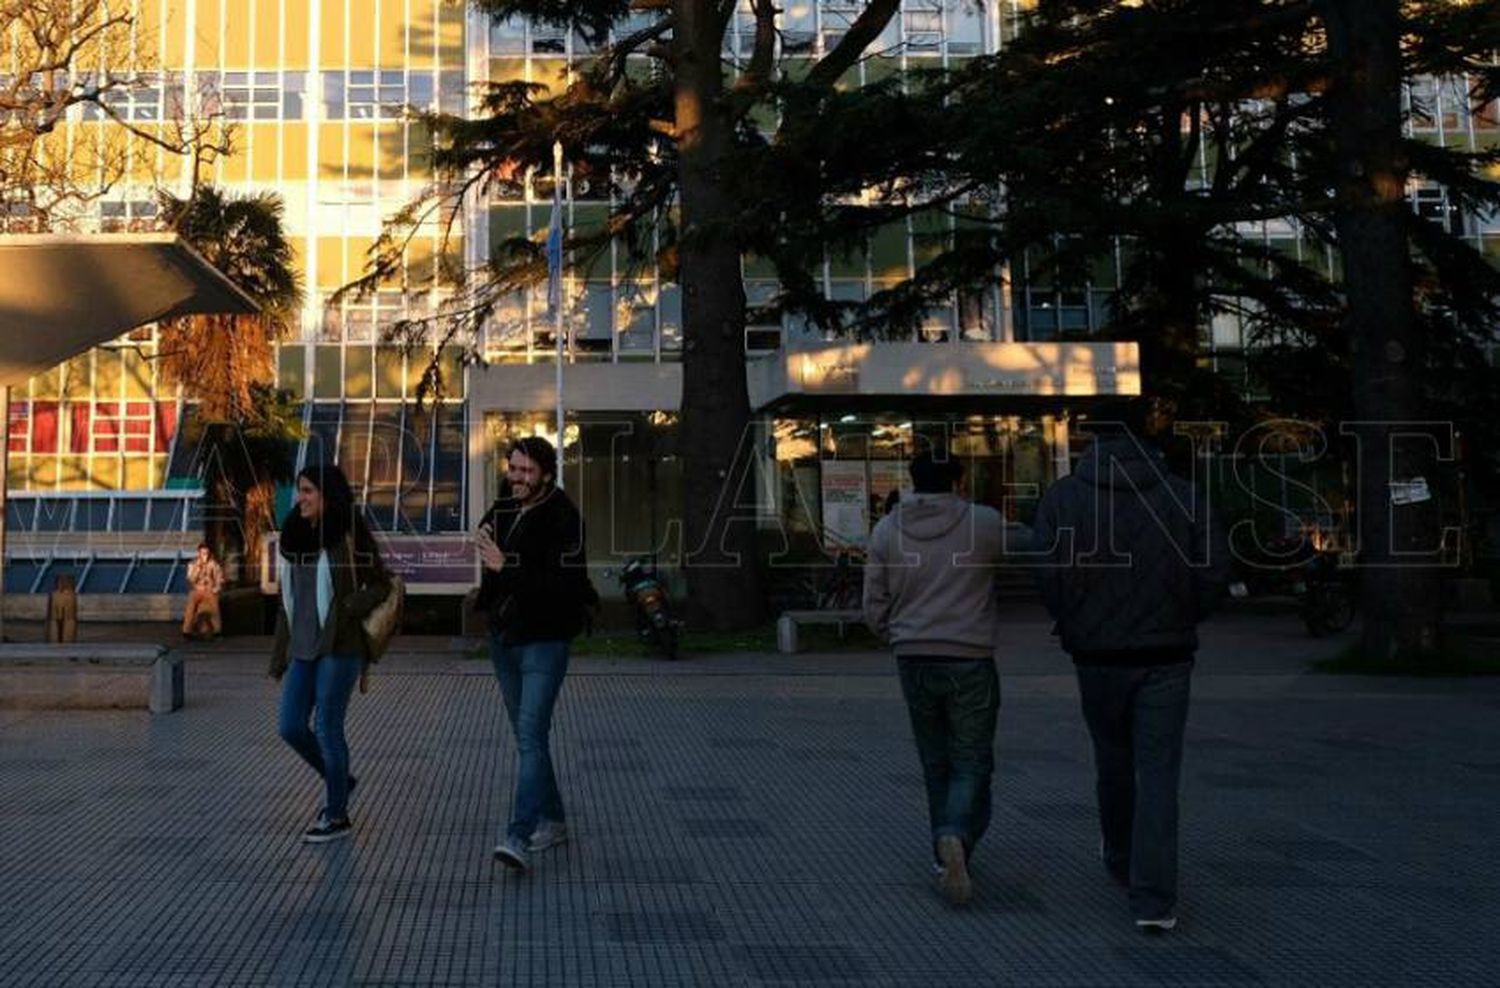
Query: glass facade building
(103, 474)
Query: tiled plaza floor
(742, 820)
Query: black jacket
(1132, 560)
(543, 593)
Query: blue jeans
(953, 707)
(531, 676)
(322, 686)
(1136, 716)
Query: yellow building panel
(174, 52)
(44, 471)
(295, 30)
(361, 155)
(172, 168)
(422, 27)
(294, 152)
(362, 40)
(238, 30)
(78, 377)
(451, 34)
(356, 255)
(105, 474)
(267, 20)
(138, 376)
(419, 152)
(420, 256)
(330, 262)
(48, 385)
(359, 375)
(389, 374)
(140, 472)
(144, 166)
(236, 167)
(453, 254)
(331, 49)
(147, 14)
(72, 473)
(108, 373)
(331, 155)
(265, 146)
(391, 47)
(206, 32)
(392, 146)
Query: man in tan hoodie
(930, 589)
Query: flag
(555, 250)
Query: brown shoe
(954, 881)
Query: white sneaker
(511, 853)
(548, 833)
(1159, 925)
(954, 881)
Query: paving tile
(739, 822)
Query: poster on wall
(846, 505)
(887, 476)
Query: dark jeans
(531, 676)
(953, 707)
(322, 686)
(1136, 715)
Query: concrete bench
(787, 623)
(166, 692)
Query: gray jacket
(930, 576)
(1131, 559)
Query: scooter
(1294, 566)
(645, 592)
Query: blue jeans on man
(531, 676)
(320, 687)
(954, 704)
(1136, 717)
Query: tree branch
(845, 55)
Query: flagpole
(555, 292)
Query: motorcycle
(1327, 595)
(1309, 572)
(646, 593)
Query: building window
(20, 426)
(380, 95)
(106, 427)
(124, 217)
(147, 97)
(250, 96)
(361, 319)
(123, 427)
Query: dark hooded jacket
(1132, 559)
(543, 593)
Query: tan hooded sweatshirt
(930, 577)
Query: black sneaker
(326, 830)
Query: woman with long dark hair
(332, 577)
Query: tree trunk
(1400, 595)
(720, 552)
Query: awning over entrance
(61, 295)
(854, 373)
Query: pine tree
(679, 134)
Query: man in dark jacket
(536, 593)
(1133, 562)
